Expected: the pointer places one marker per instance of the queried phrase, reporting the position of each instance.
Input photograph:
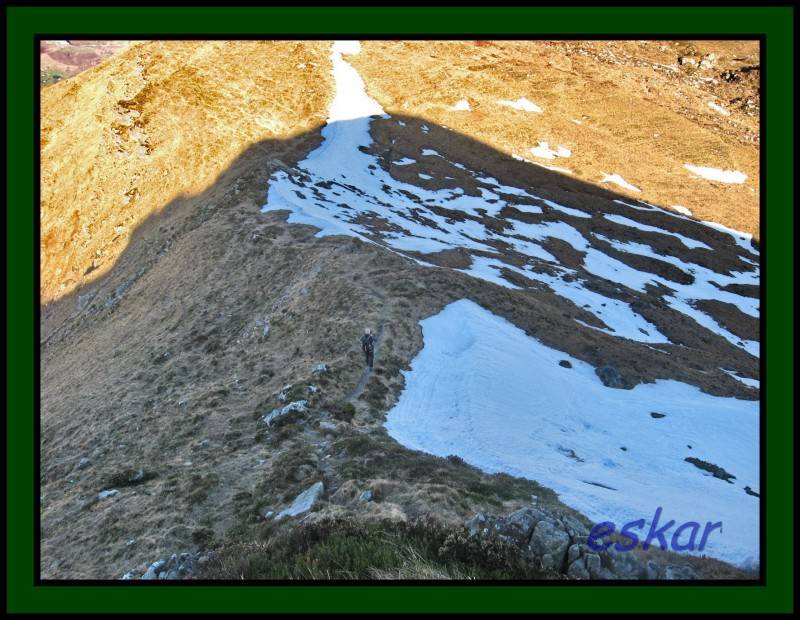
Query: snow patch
(682, 210)
(521, 104)
(718, 108)
(461, 106)
(715, 174)
(544, 151)
(618, 180)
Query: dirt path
(362, 382)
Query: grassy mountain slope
(175, 314)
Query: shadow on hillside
(396, 138)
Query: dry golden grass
(161, 119)
(641, 114)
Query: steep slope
(160, 120)
(210, 373)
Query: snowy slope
(341, 189)
(483, 390)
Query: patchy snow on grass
(718, 108)
(544, 151)
(404, 162)
(485, 391)
(340, 182)
(715, 174)
(521, 104)
(618, 180)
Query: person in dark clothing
(368, 346)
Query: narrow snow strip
(521, 104)
(618, 180)
(753, 383)
(404, 162)
(567, 210)
(688, 242)
(485, 391)
(682, 210)
(715, 174)
(743, 239)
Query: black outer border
(761, 38)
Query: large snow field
(483, 390)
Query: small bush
(342, 410)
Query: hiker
(368, 346)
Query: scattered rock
(750, 491)
(709, 61)
(565, 364)
(84, 463)
(366, 496)
(279, 412)
(477, 524)
(684, 572)
(176, 567)
(84, 300)
(129, 477)
(610, 377)
(303, 502)
(656, 415)
(714, 470)
(320, 368)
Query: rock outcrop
(558, 542)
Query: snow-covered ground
(483, 390)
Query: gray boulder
(577, 569)
(548, 538)
(303, 502)
(610, 377)
(674, 573)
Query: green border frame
(23, 22)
